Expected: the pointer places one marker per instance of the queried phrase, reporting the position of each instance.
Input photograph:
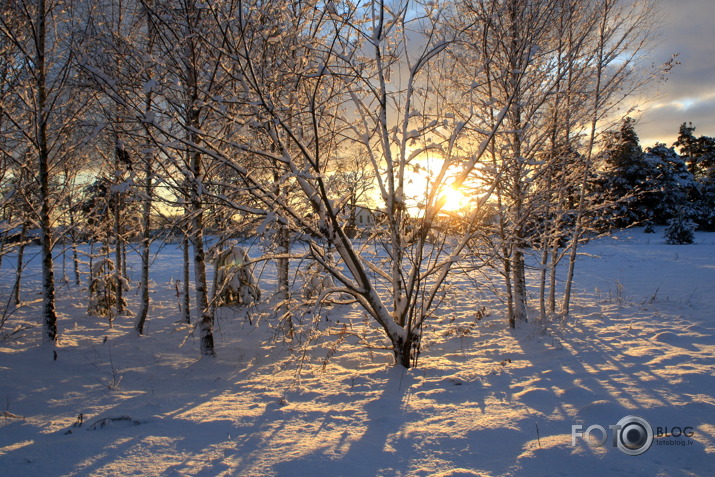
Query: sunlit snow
(483, 400)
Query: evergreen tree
(699, 155)
(680, 230)
(705, 203)
(652, 186)
(669, 187)
(624, 175)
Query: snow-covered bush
(235, 283)
(680, 231)
(317, 280)
(103, 288)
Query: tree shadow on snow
(597, 372)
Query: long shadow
(393, 441)
(606, 385)
(385, 417)
(585, 380)
(104, 438)
(152, 396)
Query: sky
(689, 92)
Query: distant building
(360, 219)
(365, 217)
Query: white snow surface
(483, 401)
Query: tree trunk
(518, 269)
(518, 188)
(73, 238)
(91, 260)
(197, 239)
(186, 297)
(552, 277)
(202, 303)
(146, 242)
(509, 288)
(148, 196)
(49, 315)
(542, 277)
(578, 231)
(283, 267)
(565, 309)
(196, 183)
(125, 275)
(283, 248)
(517, 265)
(118, 252)
(3, 239)
(402, 347)
(20, 260)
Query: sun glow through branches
(454, 199)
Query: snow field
(484, 400)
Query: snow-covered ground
(484, 400)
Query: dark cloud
(689, 93)
(661, 123)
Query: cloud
(689, 93)
(660, 122)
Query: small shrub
(680, 231)
(234, 278)
(103, 289)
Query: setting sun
(454, 199)
(417, 186)
(419, 182)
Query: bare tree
(193, 76)
(343, 93)
(545, 59)
(517, 38)
(623, 35)
(44, 112)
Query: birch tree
(518, 39)
(623, 35)
(44, 114)
(354, 86)
(546, 60)
(193, 78)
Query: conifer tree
(624, 174)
